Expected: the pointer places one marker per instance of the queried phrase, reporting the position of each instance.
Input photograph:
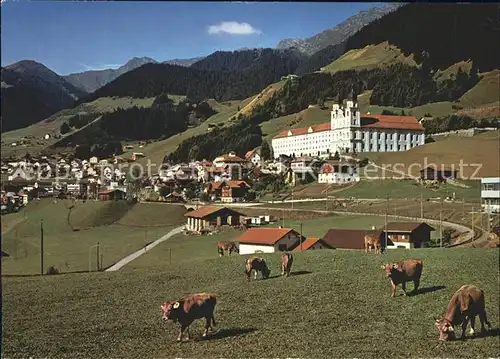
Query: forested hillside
(440, 33)
(257, 61)
(222, 76)
(162, 120)
(32, 92)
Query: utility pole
(472, 219)
(41, 247)
(301, 236)
(441, 223)
(386, 210)
(292, 198)
(326, 199)
(97, 257)
(421, 206)
(283, 220)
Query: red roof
(250, 153)
(308, 243)
(404, 226)
(305, 130)
(347, 238)
(232, 184)
(264, 235)
(392, 122)
(228, 158)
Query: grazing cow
(256, 264)
(466, 303)
(286, 263)
(191, 307)
(372, 240)
(402, 272)
(230, 247)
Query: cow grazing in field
(230, 247)
(191, 307)
(373, 241)
(466, 303)
(256, 264)
(286, 263)
(402, 272)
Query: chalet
(232, 163)
(212, 216)
(407, 234)
(440, 174)
(233, 191)
(253, 156)
(338, 172)
(311, 244)
(268, 240)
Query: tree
(65, 128)
(336, 156)
(265, 151)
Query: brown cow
(466, 303)
(372, 240)
(402, 272)
(230, 247)
(191, 307)
(286, 263)
(256, 264)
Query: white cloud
(233, 28)
(98, 66)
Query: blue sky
(76, 36)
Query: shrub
(52, 270)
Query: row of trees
(456, 122)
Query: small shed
(112, 195)
(407, 234)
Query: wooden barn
(112, 195)
(212, 216)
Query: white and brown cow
(465, 304)
(256, 264)
(230, 247)
(286, 263)
(374, 241)
(191, 307)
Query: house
(112, 194)
(305, 165)
(440, 174)
(20, 173)
(137, 155)
(268, 240)
(229, 159)
(490, 194)
(233, 191)
(312, 243)
(253, 156)
(93, 160)
(338, 172)
(407, 234)
(174, 197)
(212, 216)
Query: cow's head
(170, 310)
(446, 331)
(390, 268)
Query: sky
(70, 36)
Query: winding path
(143, 250)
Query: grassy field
(120, 228)
(486, 91)
(480, 150)
(369, 57)
(262, 97)
(52, 124)
(335, 302)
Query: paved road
(143, 250)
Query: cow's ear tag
(176, 305)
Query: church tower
(345, 123)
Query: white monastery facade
(349, 131)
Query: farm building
(490, 194)
(407, 234)
(234, 191)
(312, 243)
(112, 195)
(440, 174)
(268, 240)
(253, 156)
(346, 238)
(208, 216)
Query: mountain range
(338, 33)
